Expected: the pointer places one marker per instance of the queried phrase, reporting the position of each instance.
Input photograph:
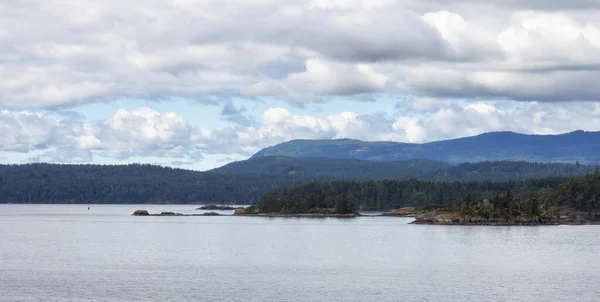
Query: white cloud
(142, 132)
(323, 78)
(25, 131)
(414, 132)
(60, 54)
(147, 133)
(299, 51)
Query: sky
(196, 84)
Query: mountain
(578, 146)
(356, 169)
(332, 168)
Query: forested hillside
(334, 168)
(581, 193)
(242, 182)
(391, 194)
(47, 183)
(329, 168)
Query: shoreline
(419, 219)
(272, 215)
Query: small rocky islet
(145, 213)
(215, 207)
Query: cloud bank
(460, 68)
(64, 53)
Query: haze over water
(67, 253)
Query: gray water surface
(67, 253)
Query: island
(499, 210)
(146, 213)
(215, 207)
(341, 206)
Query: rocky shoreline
(421, 218)
(454, 218)
(145, 213)
(240, 212)
(300, 215)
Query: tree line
(248, 181)
(579, 193)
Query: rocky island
(340, 206)
(214, 207)
(145, 213)
(503, 210)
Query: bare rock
(167, 214)
(239, 211)
(141, 213)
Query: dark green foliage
(47, 183)
(328, 168)
(245, 182)
(507, 207)
(345, 203)
(316, 203)
(495, 146)
(580, 193)
(320, 169)
(391, 194)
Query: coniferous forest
(530, 198)
(375, 185)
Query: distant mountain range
(578, 146)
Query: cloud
(236, 115)
(544, 5)
(26, 131)
(65, 155)
(140, 132)
(146, 133)
(299, 51)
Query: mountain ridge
(576, 146)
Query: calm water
(67, 253)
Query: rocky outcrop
(303, 215)
(240, 211)
(170, 214)
(402, 212)
(214, 207)
(141, 213)
(145, 213)
(454, 218)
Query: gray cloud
(26, 131)
(58, 56)
(546, 5)
(65, 155)
(236, 115)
